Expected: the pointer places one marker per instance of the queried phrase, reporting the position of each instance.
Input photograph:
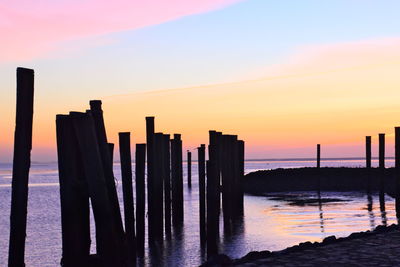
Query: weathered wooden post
(74, 197)
(140, 165)
(202, 192)
(21, 165)
(227, 181)
(212, 212)
(177, 180)
(189, 168)
(397, 166)
(107, 238)
(158, 200)
(126, 174)
(150, 175)
(368, 151)
(167, 184)
(318, 155)
(96, 113)
(382, 171)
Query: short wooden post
(126, 174)
(202, 192)
(241, 176)
(368, 151)
(74, 197)
(397, 166)
(189, 168)
(150, 175)
(140, 165)
(318, 155)
(111, 149)
(21, 165)
(158, 186)
(212, 212)
(381, 150)
(167, 184)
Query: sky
(282, 75)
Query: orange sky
(333, 95)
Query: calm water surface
(272, 222)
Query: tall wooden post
(107, 237)
(150, 175)
(21, 165)
(129, 211)
(96, 113)
(382, 171)
(158, 186)
(167, 184)
(368, 151)
(140, 165)
(177, 180)
(397, 166)
(318, 155)
(212, 212)
(189, 168)
(74, 197)
(202, 192)
(241, 176)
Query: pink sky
(35, 28)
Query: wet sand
(380, 247)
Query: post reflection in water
(321, 213)
(382, 208)
(370, 211)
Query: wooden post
(189, 168)
(241, 152)
(126, 174)
(382, 171)
(74, 197)
(167, 184)
(368, 151)
(202, 192)
(107, 237)
(21, 165)
(381, 150)
(111, 149)
(318, 156)
(140, 165)
(177, 180)
(227, 181)
(212, 212)
(158, 186)
(397, 166)
(97, 117)
(150, 175)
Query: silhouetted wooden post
(382, 171)
(107, 237)
(177, 180)
(96, 113)
(150, 175)
(318, 156)
(202, 192)
(111, 149)
(140, 165)
(241, 176)
(227, 180)
(397, 166)
(126, 174)
(21, 165)
(215, 140)
(74, 197)
(158, 186)
(189, 168)
(167, 184)
(368, 151)
(212, 212)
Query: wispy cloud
(31, 29)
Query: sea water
(271, 222)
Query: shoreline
(377, 245)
